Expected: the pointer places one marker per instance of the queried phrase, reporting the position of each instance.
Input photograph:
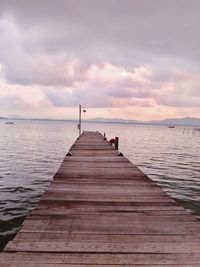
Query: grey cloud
(128, 32)
(28, 68)
(131, 92)
(39, 40)
(178, 101)
(180, 94)
(120, 92)
(68, 98)
(60, 98)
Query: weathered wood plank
(134, 217)
(99, 265)
(117, 238)
(94, 247)
(100, 258)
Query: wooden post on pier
(101, 210)
(116, 142)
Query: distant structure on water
(194, 131)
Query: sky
(128, 59)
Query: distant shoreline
(109, 121)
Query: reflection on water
(31, 152)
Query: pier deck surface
(101, 210)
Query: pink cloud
(66, 83)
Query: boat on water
(9, 122)
(171, 126)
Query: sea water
(31, 152)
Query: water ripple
(31, 152)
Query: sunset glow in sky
(130, 59)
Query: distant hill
(187, 121)
(114, 120)
(177, 121)
(174, 121)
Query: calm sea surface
(31, 152)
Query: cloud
(107, 85)
(21, 97)
(104, 85)
(182, 90)
(129, 33)
(25, 68)
(103, 54)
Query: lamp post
(79, 121)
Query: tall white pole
(80, 109)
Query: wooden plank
(134, 217)
(107, 198)
(98, 265)
(100, 258)
(125, 238)
(113, 227)
(101, 159)
(94, 247)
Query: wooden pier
(101, 210)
